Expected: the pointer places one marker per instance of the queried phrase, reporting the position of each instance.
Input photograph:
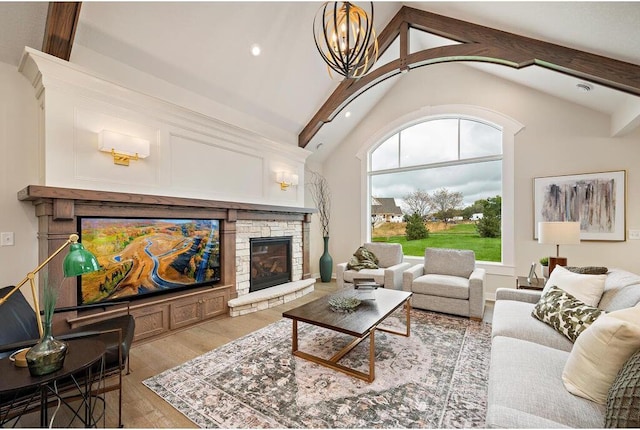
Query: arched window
(448, 171)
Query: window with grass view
(438, 184)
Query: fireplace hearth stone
(270, 297)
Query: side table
(82, 373)
(522, 283)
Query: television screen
(144, 256)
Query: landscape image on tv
(142, 256)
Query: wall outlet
(6, 238)
(634, 234)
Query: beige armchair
(388, 273)
(448, 281)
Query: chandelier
(343, 32)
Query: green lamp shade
(79, 261)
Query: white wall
(559, 138)
(18, 168)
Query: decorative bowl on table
(344, 304)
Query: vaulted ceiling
(204, 47)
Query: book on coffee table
(365, 284)
(365, 288)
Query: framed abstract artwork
(596, 200)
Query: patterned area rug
(436, 378)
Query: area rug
(436, 378)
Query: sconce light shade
(123, 147)
(286, 179)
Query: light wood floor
(144, 409)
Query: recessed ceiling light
(255, 50)
(347, 114)
(585, 88)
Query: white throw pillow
(600, 352)
(586, 288)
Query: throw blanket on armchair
(362, 259)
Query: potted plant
(544, 262)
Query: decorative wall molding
(73, 91)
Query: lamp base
(556, 261)
(19, 358)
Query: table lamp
(558, 233)
(77, 262)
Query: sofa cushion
(513, 319)
(526, 390)
(586, 288)
(623, 399)
(566, 314)
(442, 285)
(621, 290)
(588, 270)
(376, 274)
(600, 352)
(388, 254)
(452, 262)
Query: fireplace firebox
(270, 262)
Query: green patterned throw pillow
(565, 313)
(363, 259)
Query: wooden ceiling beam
(62, 21)
(477, 43)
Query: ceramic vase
(47, 355)
(326, 262)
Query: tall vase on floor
(326, 262)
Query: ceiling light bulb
(255, 50)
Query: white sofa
(388, 273)
(528, 358)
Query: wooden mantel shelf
(36, 192)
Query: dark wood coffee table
(361, 323)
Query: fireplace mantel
(57, 210)
(37, 192)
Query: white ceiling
(204, 47)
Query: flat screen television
(145, 256)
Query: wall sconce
(122, 147)
(286, 179)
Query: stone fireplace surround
(57, 210)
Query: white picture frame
(596, 200)
(532, 273)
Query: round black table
(83, 368)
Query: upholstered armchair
(388, 273)
(448, 281)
